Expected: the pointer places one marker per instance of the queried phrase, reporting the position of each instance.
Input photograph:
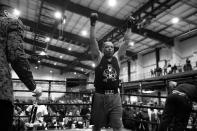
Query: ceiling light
(51, 71)
(81, 69)
(75, 73)
(43, 53)
(58, 15)
(36, 67)
(16, 12)
(175, 20)
(64, 21)
(61, 57)
(131, 43)
(38, 61)
(55, 63)
(47, 39)
(69, 48)
(93, 65)
(84, 33)
(112, 3)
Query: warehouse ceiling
(68, 46)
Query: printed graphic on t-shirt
(109, 73)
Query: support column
(129, 70)
(157, 53)
(140, 69)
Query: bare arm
(95, 52)
(122, 50)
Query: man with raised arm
(106, 106)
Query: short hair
(5, 7)
(103, 44)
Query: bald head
(108, 49)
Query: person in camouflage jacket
(11, 52)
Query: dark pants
(176, 113)
(6, 113)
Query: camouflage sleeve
(16, 55)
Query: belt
(107, 92)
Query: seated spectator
(37, 113)
(187, 66)
(85, 113)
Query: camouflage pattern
(12, 52)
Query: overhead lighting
(61, 57)
(81, 69)
(131, 43)
(51, 71)
(75, 73)
(38, 61)
(55, 63)
(93, 65)
(84, 33)
(175, 20)
(43, 53)
(58, 15)
(47, 39)
(148, 92)
(36, 67)
(112, 3)
(69, 48)
(64, 21)
(16, 12)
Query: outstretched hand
(93, 18)
(37, 92)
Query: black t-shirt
(107, 75)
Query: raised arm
(95, 52)
(122, 50)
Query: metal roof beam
(84, 11)
(55, 48)
(48, 29)
(155, 10)
(65, 69)
(55, 59)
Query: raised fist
(93, 18)
(130, 21)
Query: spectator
(165, 67)
(152, 73)
(37, 113)
(178, 106)
(187, 66)
(169, 69)
(11, 52)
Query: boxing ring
(127, 89)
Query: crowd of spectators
(54, 116)
(171, 69)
